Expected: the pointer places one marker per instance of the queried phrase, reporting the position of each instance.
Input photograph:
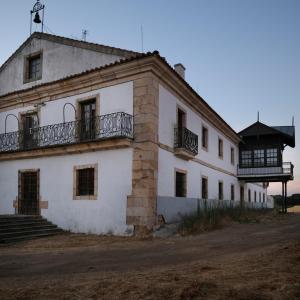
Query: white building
(92, 136)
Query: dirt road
(242, 261)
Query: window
(204, 188)
(264, 197)
(232, 192)
(29, 126)
(33, 67)
(232, 155)
(204, 138)
(242, 192)
(272, 157)
(259, 197)
(181, 118)
(220, 148)
(85, 182)
(246, 158)
(255, 196)
(249, 195)
(221, 195)
(87, 118)
(180, 181)
(259, 158)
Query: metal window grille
(85, 182)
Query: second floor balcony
(115, 125)
(266, 173)
(185, 143)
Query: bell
(37, 18)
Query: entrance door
(28, 194)
(30, 129)
(88, 114)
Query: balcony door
(28, 203)
(30, 130)
(88, 119)
(181, 119)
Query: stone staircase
(15, 228)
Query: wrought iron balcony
(285, 170)
(185, 139)
(115, 125)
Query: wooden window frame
(75, 182)
(27, 58)
(185, 182)
(81, 101)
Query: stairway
(15, 228)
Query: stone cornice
(116, 73)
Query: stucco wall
(107, 214)
(168, 104)
(58, 61)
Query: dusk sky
(240, 56)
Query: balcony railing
(286, 169)
(115, 125)
(185, 139)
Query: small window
(204, 188)
(180, 188)
(232, 192)
(220, 148)
(221, 195)
(249, 195)
(255, 196)
(259, 197)
(33, 67)
(232, 155)
(85, 182)
(204, 138)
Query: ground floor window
(249, 195)
(221, 195)
(180, 183)
(232, 192)
(204, 188)
(85, 180)
(255, 196)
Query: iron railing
(285, 169)
(184, 138)
(115, 125)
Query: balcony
(115, 125)
(266, 173)
(185, 143)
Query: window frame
(220, 148)
(220, 191)
(183, 172)
(232, 155)
(204, 129)
(204, 192)
(232, 192)
(75, 182)
(26, 68)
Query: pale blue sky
(241, 56)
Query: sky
(241, 56)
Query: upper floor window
(246, 158)
(220, 148)
(204, 138)
(33, 67)
(232, 155)
(259, 158)
(272, 157)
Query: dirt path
(242, 261)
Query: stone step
(31, 231)
(22, 227)
(28, 223)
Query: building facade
(92, 136)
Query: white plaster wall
(168, 161)
(59, 61)
(117, 98)
(107, 214)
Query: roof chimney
(180, 69)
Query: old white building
(93, 136)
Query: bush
(210, 218)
